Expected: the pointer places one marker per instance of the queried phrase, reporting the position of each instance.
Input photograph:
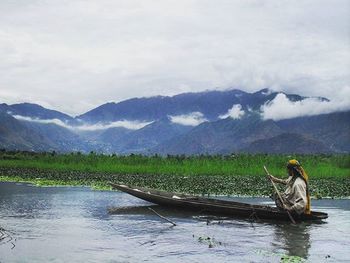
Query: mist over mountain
(34, 111)
(208, 122)
(211, 104)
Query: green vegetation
(240, 174)
(210, 241)
(319, 166)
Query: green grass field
(240, 174)
(317, 166)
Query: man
(296, 197)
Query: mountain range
(210, 122)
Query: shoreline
(34, 183)
(233, 186)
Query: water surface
(72, 224)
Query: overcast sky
(75, 55)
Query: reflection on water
(295, 239)
(62, 224)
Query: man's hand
(288, 208)
(271, 177)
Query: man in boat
(296, 197)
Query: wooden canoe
(214, 206)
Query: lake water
(72, 224)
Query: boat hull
(214, 206)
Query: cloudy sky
(75, 55)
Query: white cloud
(76, 55)
(50, 121)
(191, 119)
(235, 112)
(131, 125)
(282, 108)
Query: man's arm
(277, 180)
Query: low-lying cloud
(282, 108)
(191, 119)
(235, 112)
(48, 121)
(131, 125)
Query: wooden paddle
(279, 196)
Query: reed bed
(240, 174)
(318, 166)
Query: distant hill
(189, 123)
(60, 138)
(34, 111)
(142, 140)
(323, 134)
(331, 129)
(16, 135)
(287, 143)
(30, 136)
(211, 104)
(223, 136)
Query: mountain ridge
(203, 124)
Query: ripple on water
(73, 225)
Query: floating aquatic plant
(240, 175)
